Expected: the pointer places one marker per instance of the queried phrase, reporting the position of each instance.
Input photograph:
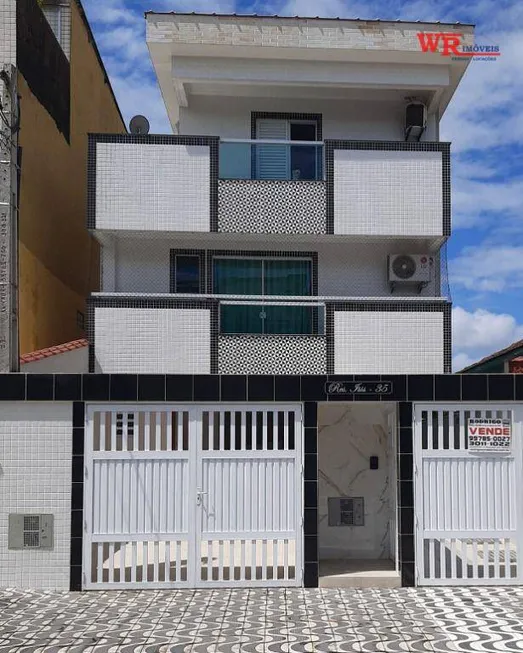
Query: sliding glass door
(277, 277)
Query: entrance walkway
(326, 620)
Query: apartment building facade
(268, 400)
(290, 177)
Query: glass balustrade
(281, 160)
(271, 318)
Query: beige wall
(58, 259)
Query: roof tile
(53, 351)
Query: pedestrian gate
(468, 503)
(184, 496)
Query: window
(187, 273)
(58, 15)
(259, 276)
(53, 13)
(287, 161)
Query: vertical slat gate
(136, 499)
(193, 496)
(467, 502)
(249, 527)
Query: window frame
(263, 259)
(310, 257)
(197, 253)
(58, 9)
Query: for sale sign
(489, 434)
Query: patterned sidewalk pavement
(263, 620)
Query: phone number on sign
(495, 441)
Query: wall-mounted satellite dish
(139, 125)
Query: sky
(484, 123)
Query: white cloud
(327, 8)
(484, 118)
(477, 202)
(479, 333)
(120, 34)
(488, 268)
(462, 360)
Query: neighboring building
(508, 360)
(54, 90)
(269, 400)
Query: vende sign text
(489, 434)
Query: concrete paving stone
(427, 619)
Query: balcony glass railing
(271, 159)
(271, 317)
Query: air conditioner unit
(415, 120)
(410, 269)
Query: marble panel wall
(348, 435)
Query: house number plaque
(355, 388)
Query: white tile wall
(8, 32)
(108, 264)
(150, 340)
(346, 269)
(152, 187)
(389, 342)
(35, 477)
(392, 193)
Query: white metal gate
(193, 496)
(468, 504)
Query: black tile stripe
(447, 338)
(377, 305)
(405, 491)
(415, 387)
(40, 387)
(310, 490)
(308, 388)
(91, 181)
(77, 494)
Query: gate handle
(199, 494)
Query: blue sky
(484, 123)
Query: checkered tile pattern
(271, 207)
(275, 354)
(260, 620)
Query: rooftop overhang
(197, 54)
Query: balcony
(388, 189)
(271, 160)
(227, 334)
(271, 186)
(201, 184)
(151, 183)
